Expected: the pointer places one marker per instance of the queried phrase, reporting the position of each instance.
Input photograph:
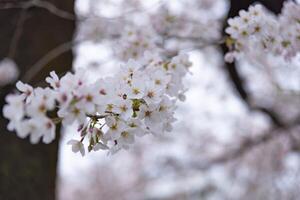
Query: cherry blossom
(77, 146)
(258, 31)
(141, 97)
(109, 112)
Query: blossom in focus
(109, 112)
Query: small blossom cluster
(96, 29)
(161, 27)
(258, 31)
(185, 24)
(140, 99)
(9, 71)
(133, 43)
(157, 30)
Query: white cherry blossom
(109, 112)
(257, 31)
(77, 146)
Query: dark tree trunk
(29, 171)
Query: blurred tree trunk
(29, 171)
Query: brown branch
(53, 9)
(40, 64)
(62, 13)
(40, 4)
(17, 34)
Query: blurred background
(236, 134)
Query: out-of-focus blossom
(9, 71)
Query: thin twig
(62, 13)
(17, 34)
(53, 9)
(40, 4)
(248, 144)
(10, 5)
(54, 53)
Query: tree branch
(17, 34)
(40, 4)
(54, 53)
(250, 143)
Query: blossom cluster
(110, 112)
(155, 29)
(163, 26)
(133, 43)
(258, 31)
(185, 24)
